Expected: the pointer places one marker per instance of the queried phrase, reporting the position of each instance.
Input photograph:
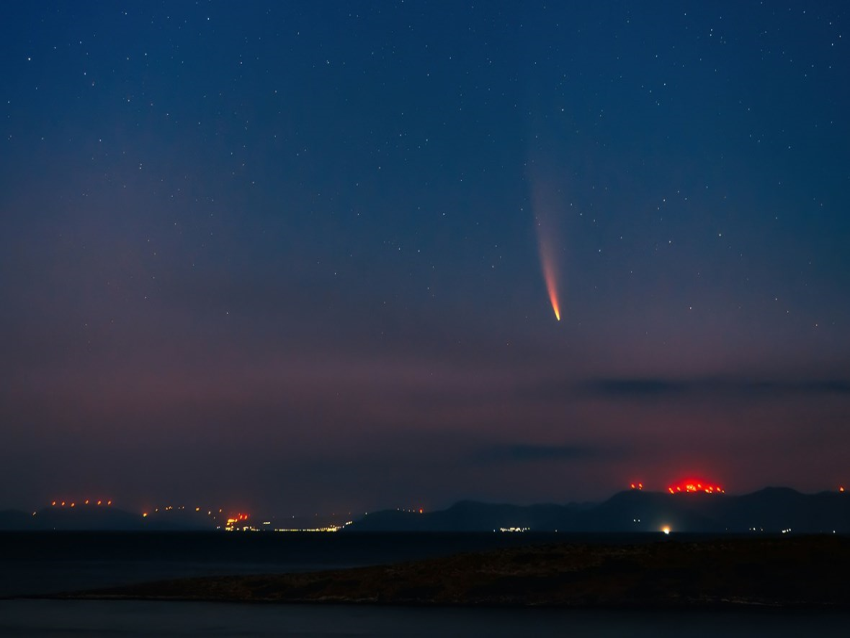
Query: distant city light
(666, 530)
(83, 501)
(328, 528)
(239, 518)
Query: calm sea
(55, 562)
(58, 562)
(83, 618)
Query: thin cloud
(524, 452)
(628, 388)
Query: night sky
(290, 256)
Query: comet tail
(551, 287)
(545, 205)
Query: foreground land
(808, 572)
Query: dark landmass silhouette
(93, 518)
(771, 510)
(776, 572)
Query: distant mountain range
(772, 510)
(93, 518)
(769, 510)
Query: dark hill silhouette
(86, 519)
(92, 518)
(14, 520)
(769, 510)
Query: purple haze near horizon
(285, 257)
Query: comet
(547, 235)
(547, 263)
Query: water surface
(25, 618)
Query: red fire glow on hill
(691, 486)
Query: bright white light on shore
(666, 530)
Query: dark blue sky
(286, 255)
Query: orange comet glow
(549, 265)
(551, 287)
(546, 208)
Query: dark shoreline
(805, 573)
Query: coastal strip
(786, 572)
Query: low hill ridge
(772, 509)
